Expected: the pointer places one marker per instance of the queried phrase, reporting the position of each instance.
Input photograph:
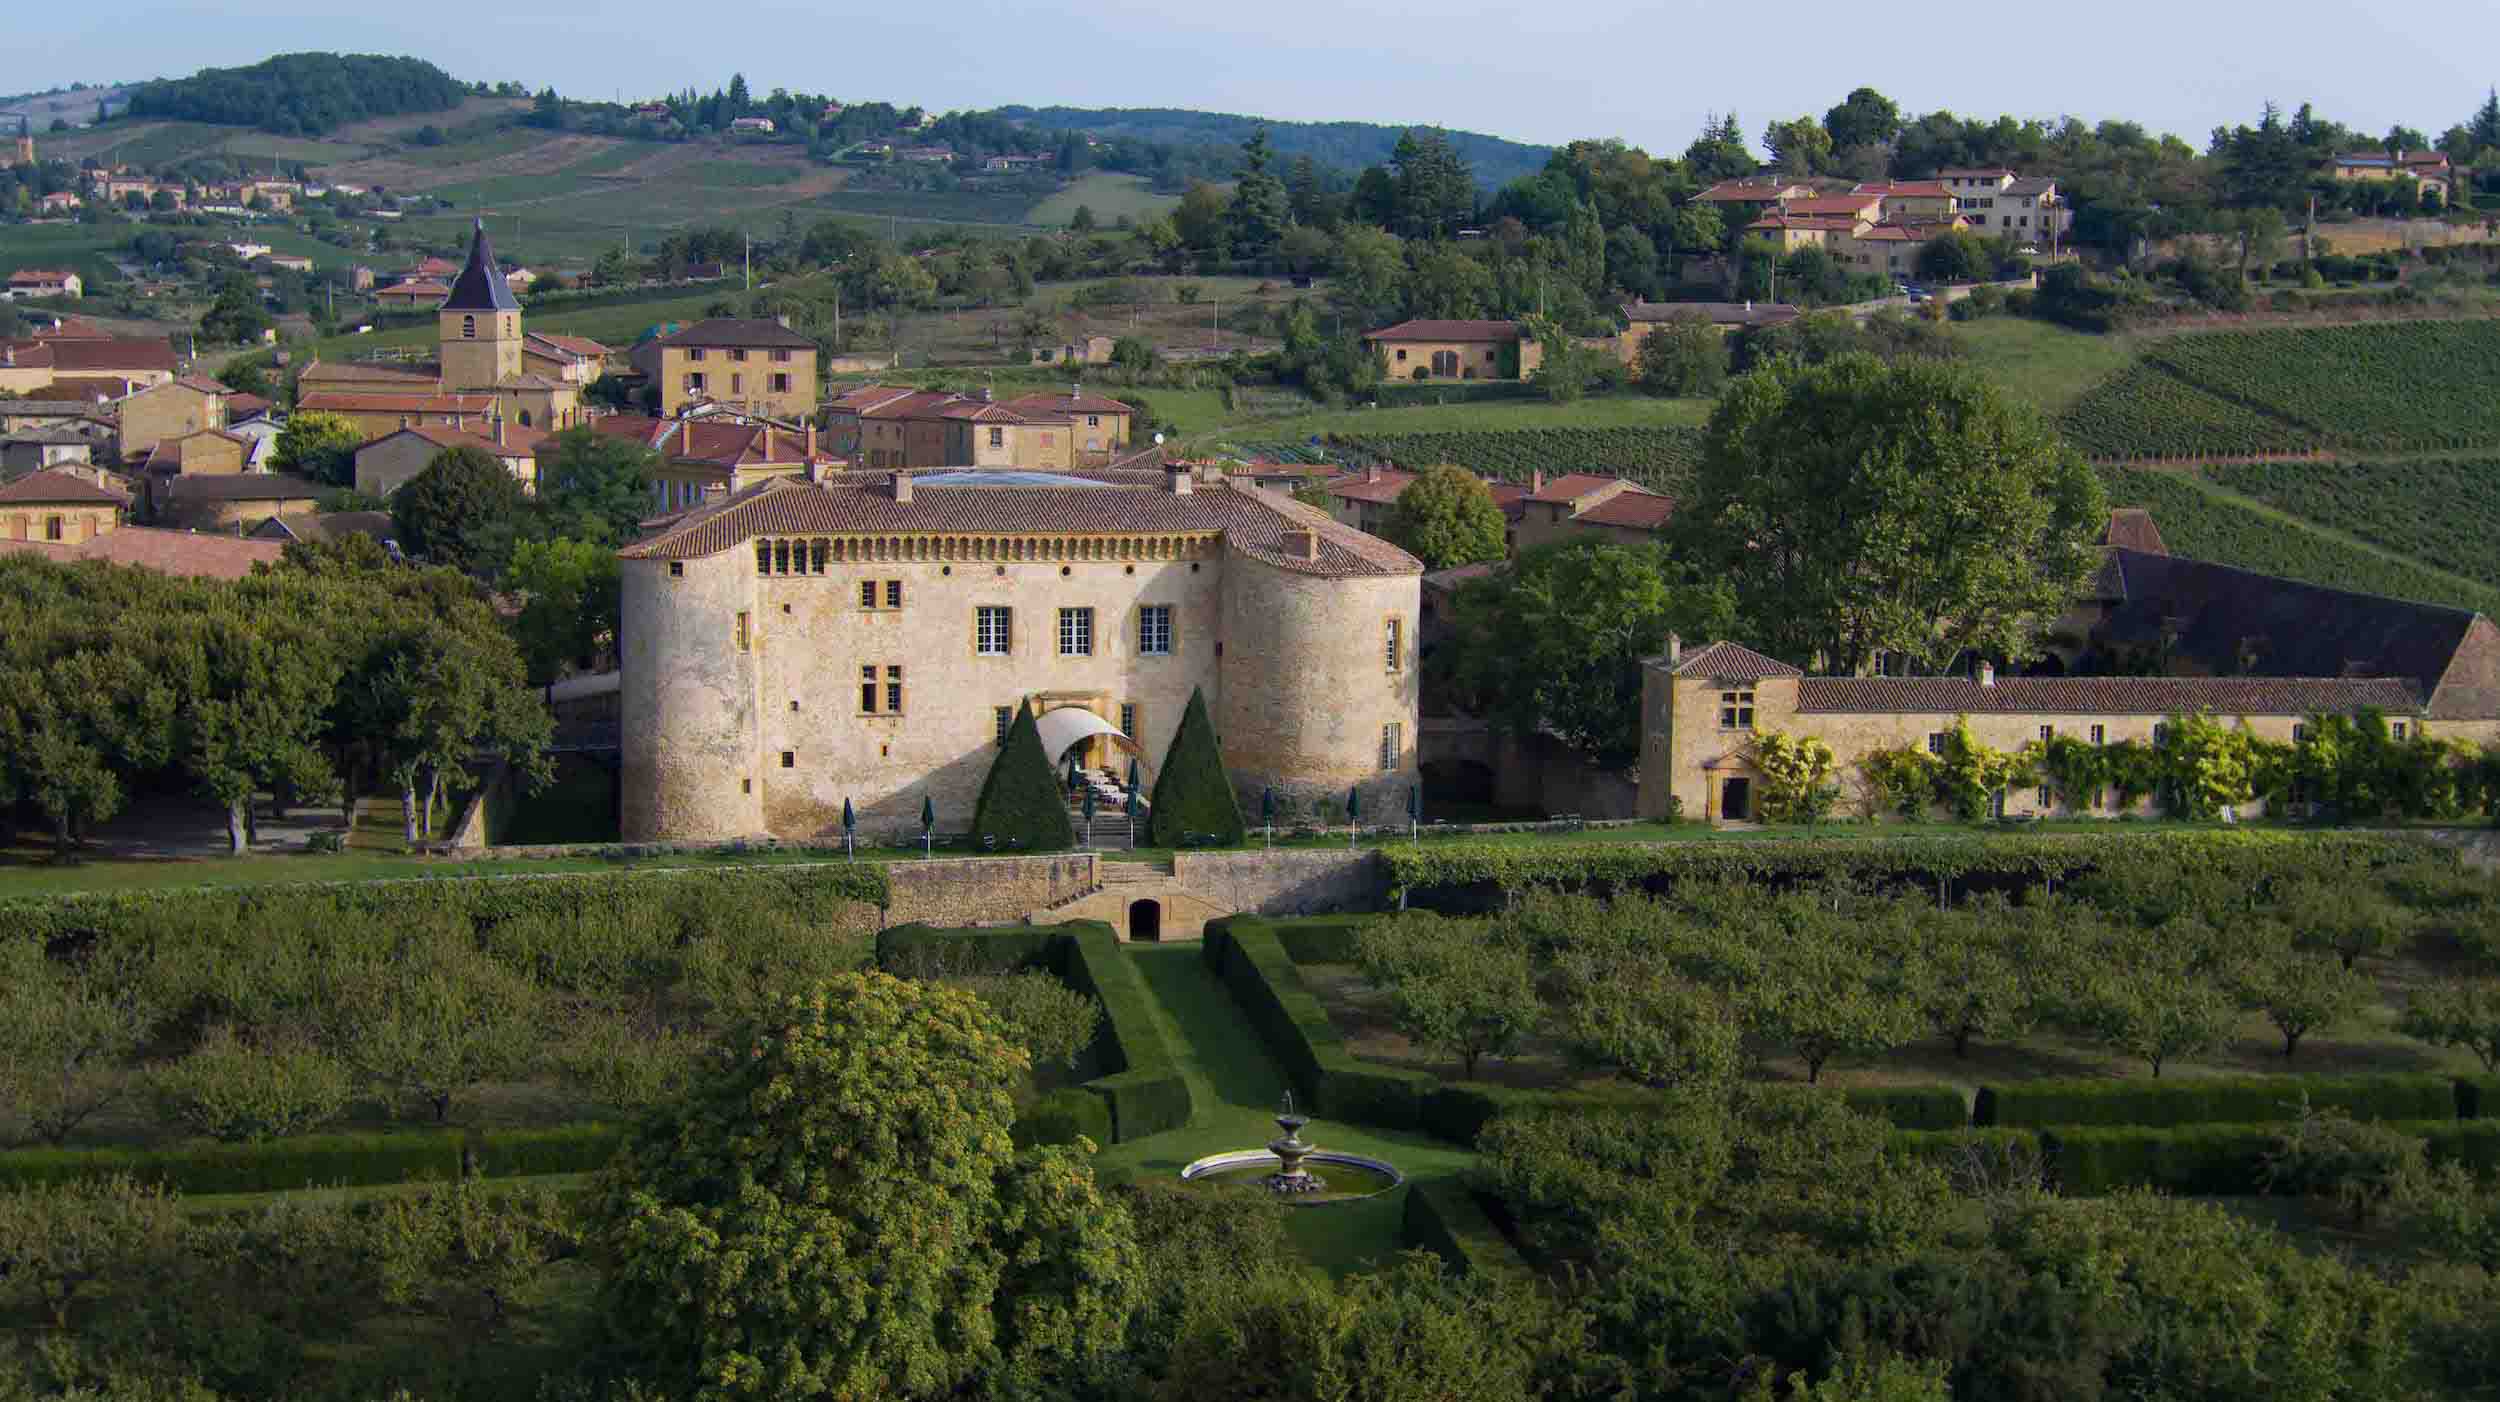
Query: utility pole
(750, 262)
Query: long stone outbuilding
(869, 637)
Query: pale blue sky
(1546, 70)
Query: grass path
(1234, 1089)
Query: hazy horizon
(1562, 71)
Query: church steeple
(480, 287)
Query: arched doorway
(1145, 920)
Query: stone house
(190, 554)
(377, 412)
(36, 449)
(169, 410)
(1558, 508)
(59, 507)
(386, 464)
(752, 364)
(1455, 350)
(45, 282)
(234, 503)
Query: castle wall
(813, 639)
(690, 734)
(1308, 688)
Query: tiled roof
(1831, 204)
(419, 288)
(1449, 579)
(30, 276)
(55, 487)
(1447, 331)
(1810, 222)
(570, 345)
(907, 406)
(167, 552)
(528, 380)
(1067, 404)
(1887, 233)
(1251, 521)
(1748, 191)
(740, 331)
(167, 454)
(247, 486)
(243, 406)
(2106, 696)
(480, 288)
(1975, 172)
(869, 396)
(85, 389)
(732, 444)
(640, 428)
(324, 371)
(1571, 486)
(1733, 661)
(2233, 620)
(74, 328)
(201, 384)
(1636, 511)
(2132, 528)
(1363, 486)
(517, 442)
(120, 355)
(389, 402)
(2033, 185)
(1911, 189)
(327, 525)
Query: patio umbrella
(1414, 809)
(1089, 815)
(928, 824)
(1353, 811)
(1267, 812)
(850, 829)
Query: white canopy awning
(1069, 726)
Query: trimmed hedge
(309, 1161)
(2019, 858)
(1144, 1092)
(1444, 1218)
(1062, 1115)
(1250, 959)
(1022, 802)
(1912, 1107)
(1192, 792)
(578, 1148)
(1948, 1146)
(2474, 1143)
(2217, 1100)
(1322, 939)
(999, 951)
(482, 900)
(2210, 1160)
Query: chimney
(772, 444)
(499, 430)
(1302, 544)
(782, 321)
(1371, 472)
(1536, 481)
(811, 440)
(902, 487)
(1675, 648)
(1987, 674)
(1181, 480)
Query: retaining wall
(1301, 882)
(980, 890)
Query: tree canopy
(1447, 517)
(1859, 508)
(463, 510)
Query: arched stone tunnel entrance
(1145, 920)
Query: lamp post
(1130, 803)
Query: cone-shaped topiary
(1192, 795)
(1021, 802)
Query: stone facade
(168, 410)
(743, 703)
(975, 891)
(1299, 882)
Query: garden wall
(978, 890)
(1302, 882)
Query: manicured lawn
(27, 871)
(1235, 1091)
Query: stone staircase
(1119, 897)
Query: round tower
(1319, 684)
(688, 700)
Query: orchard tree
(433, 1020)
(2463, 1013)
(1453, 988)
(2152, 995)
(1814, 984)
(834, 1209)
(1976, 977)
(1647, 1023)
(2301, 992)
(68, 1032)
(1860, 508)
(1447, 517)
(1686, 358)
(2348, 919)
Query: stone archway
(1145, 920)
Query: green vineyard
(2200, 525)
(2378, 387)
(2442, 512)
(1654, 457)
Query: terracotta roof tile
(1637, 511)
(571, 345)
(1831, 204)
(2107, 696)
(2132, 528)
(1447, 331)
(1571, 486)
(396, 402)
(517, 442)
(247, 486)
(326, 371)
(742, 332)
(1250, 521)
(87, 389)
(186, 553)
(57, 487)
(1732, 661)
(1067, 404)
(1384, 487)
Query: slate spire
(480, 287)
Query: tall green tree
(1864, 118)
(835, 1209)
(1687, 357)
(593, 487)
(318, 445)
(1260, 211)
(463, 510)
(1857, 508)
(1447, 517)
(1798, 147)
(574, 596)
(1556, 641)
(1022, 803)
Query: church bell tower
(481, 323)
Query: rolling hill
(1347, 145)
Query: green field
(2373, 387)
(2443, 512)
(2203, 520)
(1108, 195)
(616, 326)
(2039, 361)
(1493, 416)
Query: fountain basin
(1347, 1177)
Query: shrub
(1021, 804)
(1192, 793)
(2214, 1100)
(2330, 1156)
(2210, 1160)
(1060, 1117)
(517, 1153)
(1251, 961)
(1911, 1107)
(310, 1161)
(1144, 1091)
(238, 1093)
(2458, 1013)
(1051, 1021)
(1444, 1218)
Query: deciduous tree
(1446, 517)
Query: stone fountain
(1290, 1156)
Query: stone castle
(868, 637)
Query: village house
(189, 554)
(1363, 498)
(414, 293)
(385, 464)
(59, 202)
(751, 126)
(752, 364)
(377, 412)
(1455, 350)
(45, 282)
(710, 457)
(232, 503)
(324, 526)
(28, 366)
(1910, 199)
(2429, 171)
(1558, 508)
(291, 262)
(59, 507)
(169, 410)
(576, 360)
(36, 449)
(1998, 201)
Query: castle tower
(481, 323)
(25, 142)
